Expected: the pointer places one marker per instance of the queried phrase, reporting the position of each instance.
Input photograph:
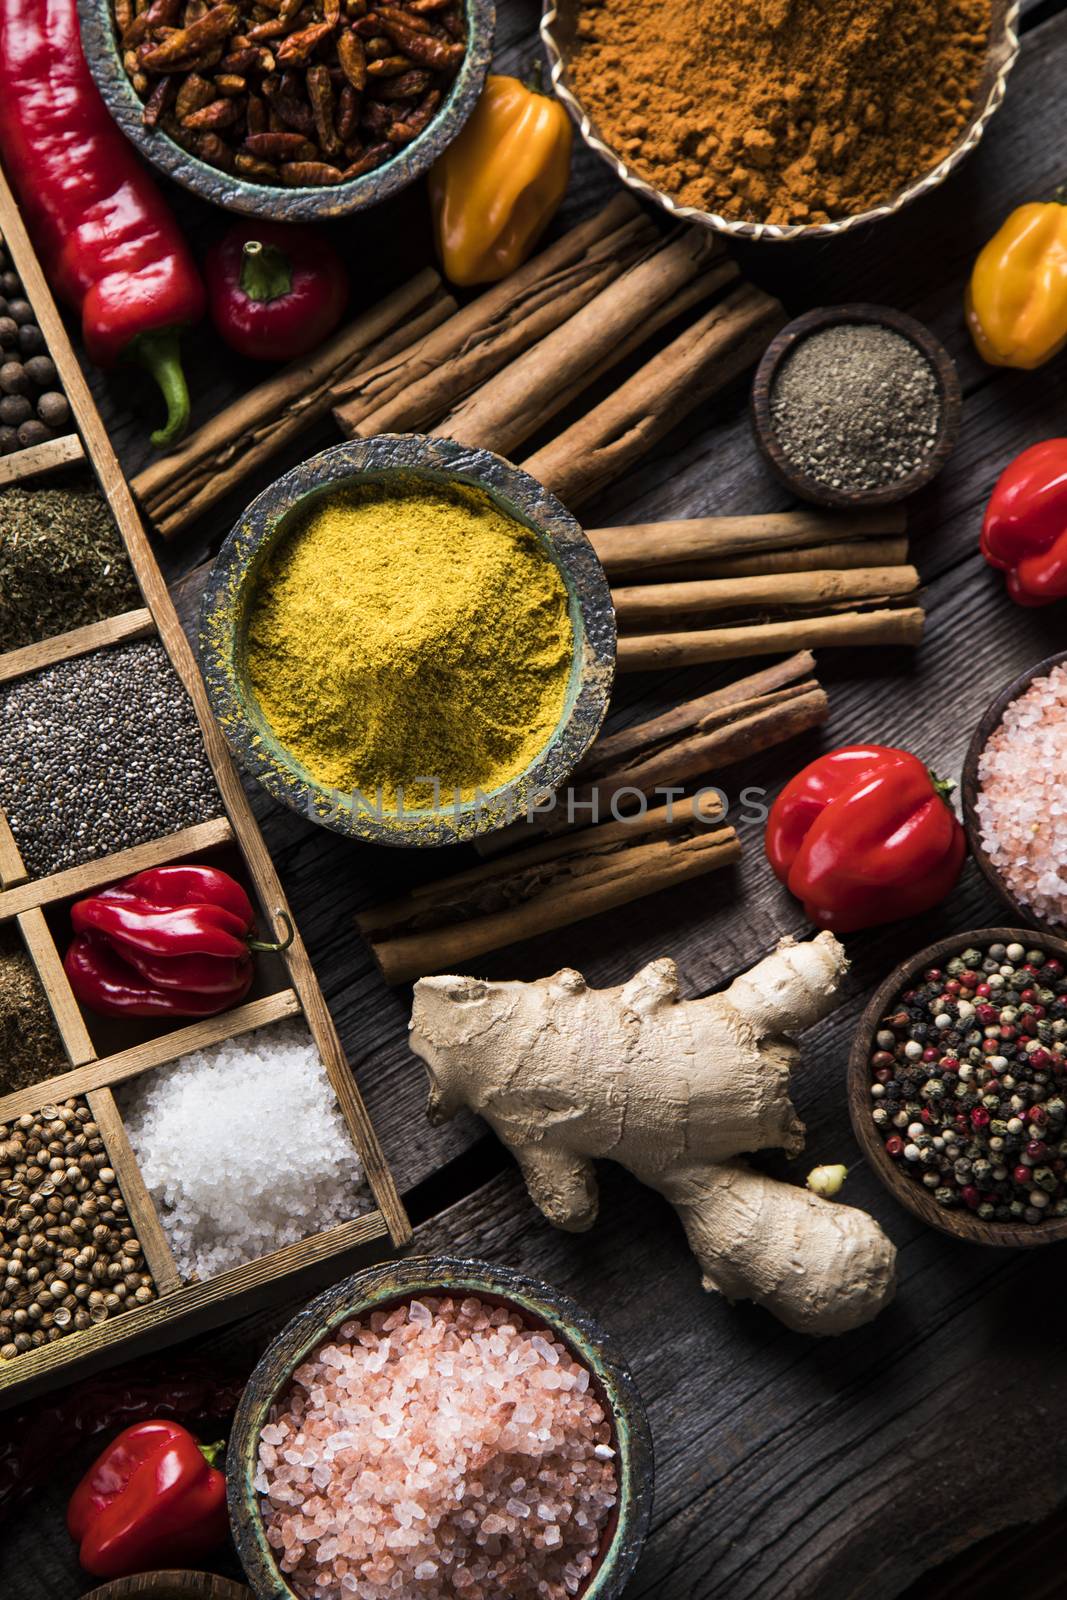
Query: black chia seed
(856, 407)
(98, 754)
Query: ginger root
(674, 1090)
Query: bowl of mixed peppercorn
(958, 1086)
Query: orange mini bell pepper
(1017, 296)
(500, 183)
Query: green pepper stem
(290, 934)
(211, 1452)
(160, 355)
(265, 271)
(535, 78)
(944, 787)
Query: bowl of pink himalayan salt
(1014, 793)
(440, 1429)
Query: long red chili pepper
(107, 239)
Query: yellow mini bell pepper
(1017, 296)
(499, 184)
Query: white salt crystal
(244, 1148)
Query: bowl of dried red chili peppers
(299, 111)
(957, 1086)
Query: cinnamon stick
(699, 736)
(241, 438)
(637, 549)
(553, 884)
(645, 652)
(497, 326)
(521, 398)
(654, 604)
(717, 348)
(816, 558)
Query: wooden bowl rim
(1002, 52)
(959, 1224)
(172, 1580)
(394, 1282)
(989, 721)
(854, 313)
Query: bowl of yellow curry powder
(408, 641)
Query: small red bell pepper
(1024, 532)
(106, 236)
(274, 292)
(172, 941)
(152, 1499)
(865, 835)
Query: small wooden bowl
(959, 1224)
(404, 459)
(970, 790)
(785, 343)
(171, 1586)
(385, 1287)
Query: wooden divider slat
(117, 491)
(139, 1204)
(193, 1302)
(109, 1070)
(74, 881)
(38, 458)
(76, 642)
(12, 868)
(45, 957)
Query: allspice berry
(52, 408)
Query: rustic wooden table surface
(786, 1468)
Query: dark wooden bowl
(171, 1586)
(799, 483)
(387, 1286)
(959, 1224)
(969, 791)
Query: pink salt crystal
(383, 1440)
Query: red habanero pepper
(1024, 532)
(171, 941)
(107, 239)
(275, 292)
(152, 1499)
(865, 835)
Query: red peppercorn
(982, 992)
(894, 1145)
(1022, 1176)
(971, 980)
(992, 1045)
(950, 1064)
(953, 987)
(961, 1123)
(883, 1075)
(926, 1115)
(992, 1086)
(882, 1058)
(1029, 996)
(933, 974)
(1038, 1116)
(1037, 1149)
(1028, 1024)
(970, 1196)
(929, 1054)
(1052, 968)
(987, 1015)
(1040, 1058)
(1008, 1032)
(980, 1117)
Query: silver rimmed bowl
(404, 460)
(282, 204)
(559, 29)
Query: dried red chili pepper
(106, 236)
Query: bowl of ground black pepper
(781, 121)
(408, 641)
(855, 405)
(955, 1086)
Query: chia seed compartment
(98, 1054)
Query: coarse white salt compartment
(441, 1448)
(1022, 801)
(244, 1148)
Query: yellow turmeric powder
(420, 634)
